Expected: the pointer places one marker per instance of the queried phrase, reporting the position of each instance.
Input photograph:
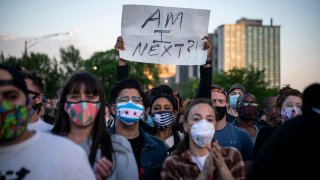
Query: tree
(104, 64)
(70, 60)
(253, 80)
(188, 89)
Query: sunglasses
(36, 94)
(218, 89)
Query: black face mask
(247, 113)
(221, 112)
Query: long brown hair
(99, 135)
(184, 144)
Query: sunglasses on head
(36, 94)
(218, 89)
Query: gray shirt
(124, 163)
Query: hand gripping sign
(164, 35)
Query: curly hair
(284, 93)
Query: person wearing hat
(163, 110)
(28, 154)
(236, 90)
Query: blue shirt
(233, 136)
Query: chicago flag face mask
(129, 112)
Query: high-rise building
(248, 43)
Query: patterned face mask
(13, 121)
(289, 113)
(82, 113)
(129, 112)
(163, 119)
(202, 132)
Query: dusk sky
(96, 25)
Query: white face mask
(202, 132)
(289, 113)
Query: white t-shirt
(44, 156)
(39, 125)
(199, 160)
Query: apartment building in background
(248, 43)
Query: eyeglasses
(134, 99)
(242, 104)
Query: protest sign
(164, 35)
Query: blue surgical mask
(233, 100)
(129, 112)
(149, 121)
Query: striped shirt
(182, 166)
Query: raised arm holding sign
(164, 35)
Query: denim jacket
(153, 154)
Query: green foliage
(70, 60)
(141, 71)
(188, 89)
(253, 80)
(102, 64)
(105, 64)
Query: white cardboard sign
(164, 35)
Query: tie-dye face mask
(13, 120)
(82, 113)
(289, 113)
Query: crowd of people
(83, 133)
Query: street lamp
(30, 43)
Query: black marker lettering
(190, 41)
(151, 18)
(139, 46)
(152, 49)
(166, 50)
(161, 31)
(179, 45)
(170, 17)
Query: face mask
(149, 121)
(13, 120)
(221, 112)
(247, 113)
(233, 100)
(109, 121)
(163, 119)
(82, 113)
(129, 112)
(289, 113)
(202, 132)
